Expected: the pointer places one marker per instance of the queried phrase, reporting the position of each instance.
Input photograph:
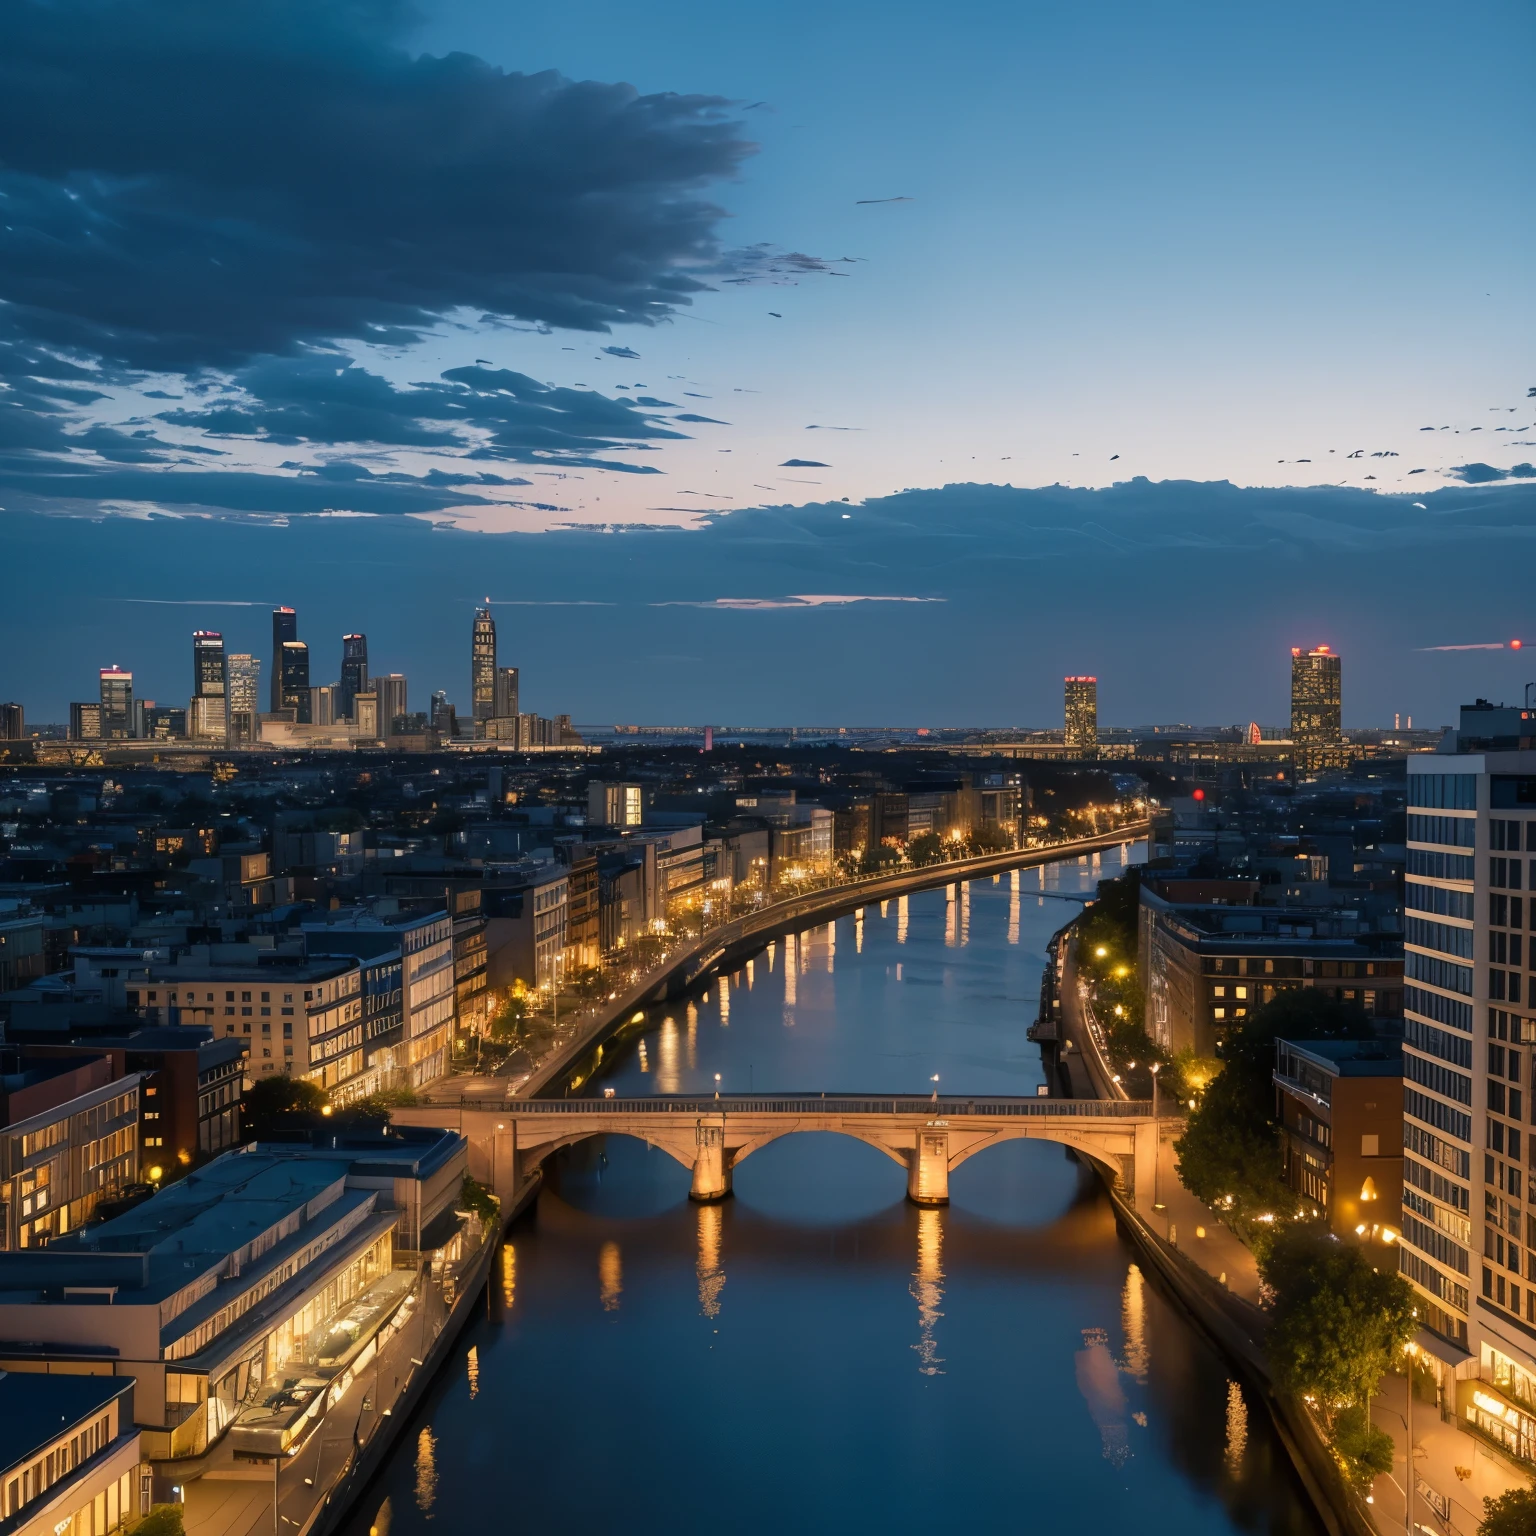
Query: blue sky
(286, 266)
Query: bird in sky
(776, 315)
(1113, 457)
(865, 201)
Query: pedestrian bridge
(929, 1137)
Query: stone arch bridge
(929, 1137)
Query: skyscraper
(1468, 1037)
(1082, 714)
(1317, 690)
(116, 704)
(206, 717)
(207, 664)
(285, 627)
(242, 692)
(13, 722)
(506, 693)
(354, 672)
(482, 669)
(390, 692)
(293, 679)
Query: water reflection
(1237, 1428)
(1098, 1379)
(901, 919)
(426, 1470)
(508, 1275)
(667, 1079)
(927, 1289)
(711, 1276)
(474, 1371)
(1133, 1324)
(610, 1277)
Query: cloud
(803, 601)
(1484, 474)
(622, 352)
(485, 413)
(804, 464)
(190, 185)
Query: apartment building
(1469, 1239)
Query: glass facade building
(1082, 714)
(1317, 694)
(285, 627)
(482, 667)
(354, 672)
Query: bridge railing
(817, 1104)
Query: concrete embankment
(1232, 1323)
(724, 948)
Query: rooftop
(35, 1410)
(1349, 1058)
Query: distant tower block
(1254, 736)
(482, 667)
(709, 738)
(1082, 714)
(1317, 688)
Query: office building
(70, 1457)
(365, 715)
(116, 704)
(424, 943)
(323, 708)
(85, 722)
(1082, 714)
(267, 1266)
(293, 679)
(158, 722)
(13, 723)
(444, 719)
(506, 693)
(615, 805)
(242, 692)
(207, 718)
(354, 673)
(295, 1020)
(1317, 730)
(1468, 1041)
(285, 627)
(1340, 1108)
(207, 664)
(69, 1139)
(482, 668)
(390, 692)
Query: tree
(1338, 1324)
(281, 1103)
(926, 849)
(987, 838)
(1511, 1514)
(1365, 1450)
(162, 1520)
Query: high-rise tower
(116, 704)
(482, 668)
(285, 627)
(1317, 690)
(1082, 714)
(293, 679)
(354, 672)
(206, 716)
(242, 695)
(207, 664)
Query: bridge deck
(813, 1104)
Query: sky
(1062, 338)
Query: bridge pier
(928, 1171)
(711, 1168)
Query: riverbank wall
(725, 948)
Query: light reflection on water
(816, 1354)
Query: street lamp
(1157, 1144)
(934, 1079)
(717, 1085)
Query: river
(817, 1355)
